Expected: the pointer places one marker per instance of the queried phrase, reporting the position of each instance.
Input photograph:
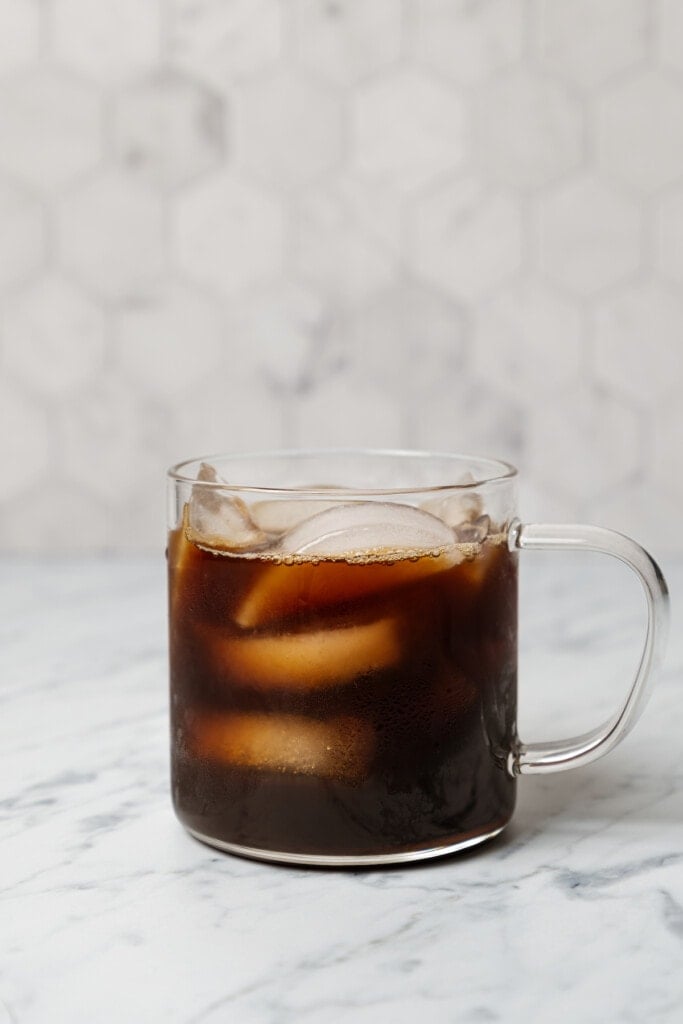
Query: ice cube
(183, 561)
(485, 559)
(278, 516)
(383, 543)
(377, 528)
(455, 510)
(287, 592)
(220, 521)
(180, 551)
(475, 532)
(340, 747)
(305, 661)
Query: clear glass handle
(535, 758)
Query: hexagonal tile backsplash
(234, 224)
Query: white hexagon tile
(169, 339)
(470, 42)
(589, 235)
(20, 34)
(53, 337)
(670, 236)
(529, 340)
(169, 129)
(252, 223)
(408, 129)
(411, 337)
(347, 238)
(469, 238)
(395, 349)
(640, 136)
(228, 234)
(22, 239)
(108, 439)
(277, 338)
(333, 415)
(529, 129)
(51, 127)
(591, 41)
(670, 33)
(111, 235)
(585, 428)
(347, 41)
(638, 350)
(25, 444)
(288, 128)
(107, 42)
(220, 42)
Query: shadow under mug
(343, 652)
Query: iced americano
(343, 672)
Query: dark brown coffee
(343, 706)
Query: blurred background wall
(231, 224)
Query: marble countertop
(109, 912)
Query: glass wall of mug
(343, 638)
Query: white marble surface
(109, 912)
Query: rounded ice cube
(308, 660)
(307, 589)
(281, 515)
(347, 554)
(456, 510)
(219, 520)
(339, 747)
(368, 528)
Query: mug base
(351, 861)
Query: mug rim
(501, 471)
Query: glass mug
(343, 653)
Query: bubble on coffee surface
(340, 747)
(368, 530)
(218, 520)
